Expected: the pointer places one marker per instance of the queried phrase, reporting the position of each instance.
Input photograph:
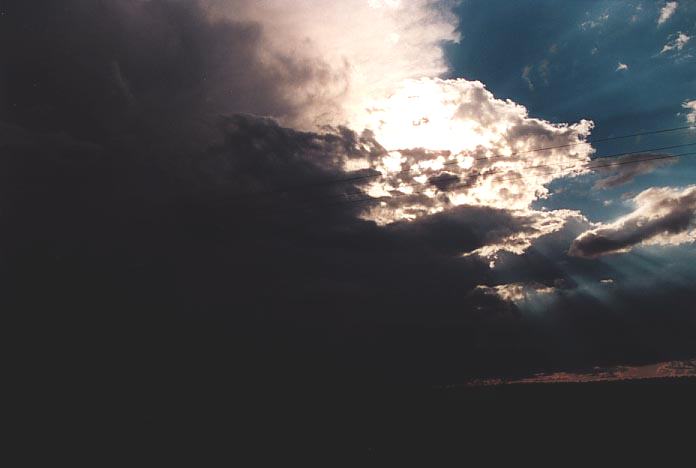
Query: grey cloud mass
(663, 216)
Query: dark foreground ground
(188, 424)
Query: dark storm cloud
(108, 69)
(258, 155)
(444, 180)
(153, 232)
(293, 281)
(462, 229)
(660, 217)
(126, 220)
(619, 173)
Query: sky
(363, 190)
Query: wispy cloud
(678, 43)
(526, 72)
(593, 23)
(667, 11)
(622, 173)
(636, 16)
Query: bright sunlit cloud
(365, 47)
(449, 142)
(471, 149)
(667, 11)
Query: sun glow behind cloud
(375, 65)
(363, 48)
(448, 142)
(424, 114)
(452, 143)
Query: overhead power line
(538, 166)
(568, 169)
(455, 162)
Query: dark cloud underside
(660, 217)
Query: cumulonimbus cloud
(100, 153)
(663, 216)
(369, 64)
(449, 143)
